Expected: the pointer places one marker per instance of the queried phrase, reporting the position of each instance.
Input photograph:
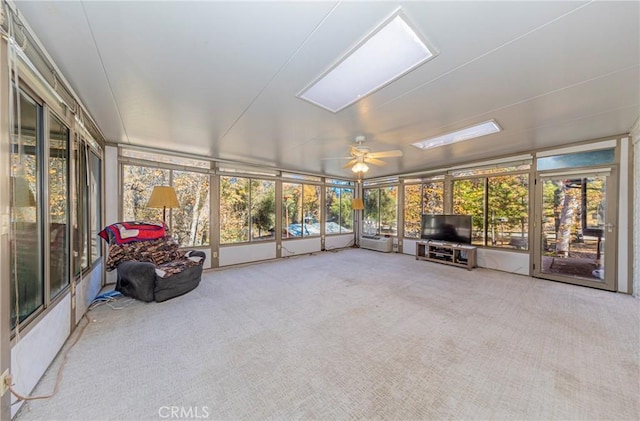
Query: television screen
(449, 228)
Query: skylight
(392, 50)
(482, 129)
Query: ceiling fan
(361, 155)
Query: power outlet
(4, 379)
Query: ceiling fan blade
(374, 161)
(350, 163)
(357, 151)
(336, 157)
(385, 154)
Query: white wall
(409, 246)
(33, 353)
(255, 252)
(87, 290)
(233, 255)
(504, 260)
(301, 246)
(207, 261)
(338, 241)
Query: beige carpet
(357, 335)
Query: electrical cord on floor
(21, 397)
(292, 253)
(108, 298)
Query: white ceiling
(219, 79)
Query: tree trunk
(195, 215)
(567, 215)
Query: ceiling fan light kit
(361, 155)
(360, 167)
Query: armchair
(152, 269)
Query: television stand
(462, 255)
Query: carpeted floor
(356, 334)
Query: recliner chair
(154, 269)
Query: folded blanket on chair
(127, 232)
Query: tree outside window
(263, 210)
(380, 211)
(339, 216)
(188, 224)
(426, 198)
(468, 199)
(234, 210)
(505, 223)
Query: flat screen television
(448, 228)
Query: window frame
(124, 160)
(420, 183)
(321, 215)
(341, 188)
(486, 210)
(379, 187)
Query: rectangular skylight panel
(392, 51)
(482, 129)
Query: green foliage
(338, 208)
(507, 198)
(234, 209)
(380, 209)
(263, 209)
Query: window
(234, 210)
(88, 206)
(95, 204)
(81, 205)
(380, 211)
(58, 174)
(189, 224)
(503, 222)
(427, 198)
(263, 210)
(468, 199)
(300, 210)
(247, 209)
(137, 184)
(339, 216)
(578, 159)
(167, 159)
(27, 278)
(508, 219)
